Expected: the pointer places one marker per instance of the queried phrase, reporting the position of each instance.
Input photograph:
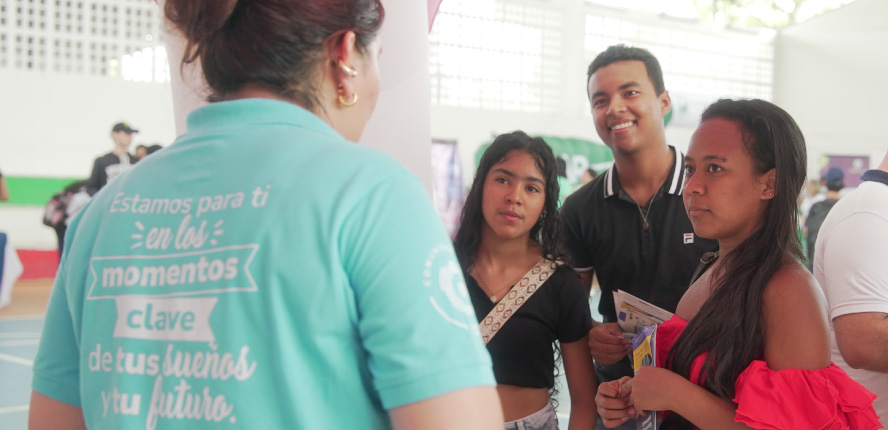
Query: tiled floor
(20, 327)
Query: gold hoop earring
(342, 101)
(348, 103)
(350, 72)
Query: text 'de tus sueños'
(182, 400)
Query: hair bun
(197, 20)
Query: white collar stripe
(676, 174)
(675, 187)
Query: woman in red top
(749, 344)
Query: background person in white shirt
(850, 266)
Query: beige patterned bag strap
(517, 296)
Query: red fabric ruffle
(667, 334)
(820, 399)
(803, 399)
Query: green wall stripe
(28, 191)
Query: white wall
(54, 125)
(830, 76)
(400, 123)
(471, 128)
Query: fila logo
(688, 238)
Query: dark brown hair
(279, 45)
(730, 324)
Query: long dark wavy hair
(546, 232)
(730, 324)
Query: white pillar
(400, 123)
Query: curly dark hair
(546, 232)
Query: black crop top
(522, 350)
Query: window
(707, 64)
(497, 55)
(110, 38)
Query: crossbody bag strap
(705, 261)
(517, 296)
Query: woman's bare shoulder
(797, 330)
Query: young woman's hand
(613, 402)
(654, 389)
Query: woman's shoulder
(796, 326)
(793, 284)
(562, 270)
(564, 278)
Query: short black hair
(617, 53)
(561, 166)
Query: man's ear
(770, 185)
(665, 103)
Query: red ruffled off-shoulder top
(790, 398)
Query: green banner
(578, 153)
(29, 191)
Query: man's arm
(467, 408)
(48, 413)
(586, 278)
(96, 178)
(863, 340)
(4, 191)
(850, 263)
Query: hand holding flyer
(644, 353)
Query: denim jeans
(544, 419)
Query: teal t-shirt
(261, 272)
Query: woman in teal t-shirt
(264, 271)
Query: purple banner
(852, 165)
(448, 192)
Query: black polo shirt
(604, 233)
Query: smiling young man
(629, 224)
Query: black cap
(834, 178)
(122, 126)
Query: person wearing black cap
(112, 164)
(834, 180)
